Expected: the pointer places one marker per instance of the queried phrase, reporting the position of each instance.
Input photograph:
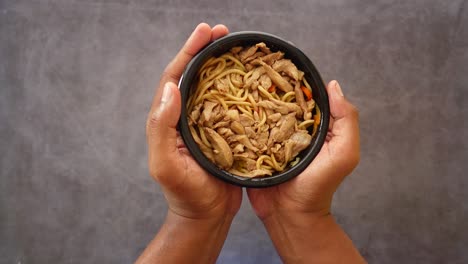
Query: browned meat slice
(257, 72)
(250, 132)
(271, 58)
(237, 127)
(236, 50)
(296, 143)
(245, 120)
(244, 140)
(273, 133)
(288, 68)
(232, 114)
(254, 56)
(238, 148)
(222, 85)
(246, 163)
(277, 78)
(207, 113)
(251, 174)
(225, 132)
(301, 101)
(271, 105)
(310, 105)
(263, 47)
(222, 151)
(274, 118)
(244, 54)
(195, 114)
(218, 113)
(262, 138)
(286, 129)
(265, 81)
(221, 124)
(292, 107)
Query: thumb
(345, 128)
(161, 132)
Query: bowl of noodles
(255, 110)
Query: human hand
(312, 191)
(190, 191)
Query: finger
(162, 134)
(197, 40)
(219, 31)
(345, 131)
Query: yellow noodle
(223, 103)
(260, 160)
(252, 101)
(203, 137)
(236, 61)
(264, 92)
(244, 111)
(306, 123)
(288, 94)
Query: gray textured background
(76, 81)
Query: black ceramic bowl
(247, 38)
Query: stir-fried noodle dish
(252, 112)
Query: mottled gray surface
(77, 77)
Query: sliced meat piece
(262, 138)
(310, 105)
(280, 155)
(222, 151)
(265, 81)
(288, 68)
(286, 129)
(271, 105)
(195, 114)
(300, 99)
(225, 132)
(277, 79)
(235, 50)
(238, 148)
(248, 81)
(250, 132)
(237, 127)
(254, 56)
(249, 67)
(250, 174)
(244, 140)
(273, 133)
(274, 118)
(271, 58)
(222, 85)
(292, 107)
(263, 47)
(221, 124)
(244, 54)
(206, 115)
(232, 114)
(295, 144)
(245, 120)
(246, 163)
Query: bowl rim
(185, 84)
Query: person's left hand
(190, 191)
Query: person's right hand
(311, 192)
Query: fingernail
(338, 88)
(167, 94)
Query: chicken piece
(265, 81)
(238, 148)
(271, 105)
(221, 124)
(225, 132)
(218, 113)
(250, 132)
(247, 53)
(263, 47)
(300, 100)
(250, 174)
(249, 67)
(257, 72)
(244, 140)
(274, 118)
(237, 127)
(245, 120)
(280, 155)
(286, 129)
(277, 79)
(288, 68)
(222, 85)
(271, 140)
(292, 107)
(195, 114)
(246, 163)
(222, 151)
(310, 105)
(255, 95)
(254, 56)
(232, 114)
(207, 112)
(295, 144)
(235, 50)
(262, 138)
(269, 59)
